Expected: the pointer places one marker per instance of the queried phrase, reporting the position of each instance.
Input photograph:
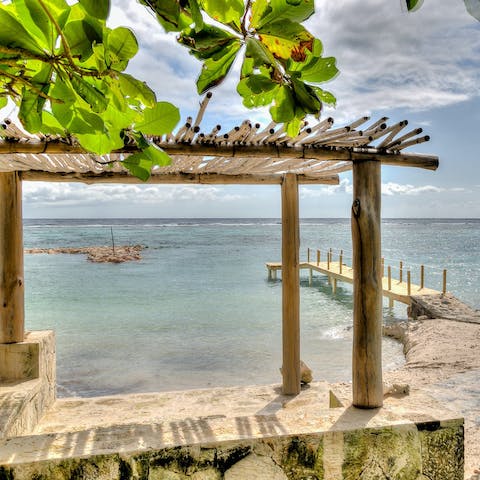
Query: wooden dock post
(318, 258)
(409, 284)
(12, 309)
(308, 255)
(290, 285)
(401, 272)
(328, 260)
(367, 285)
(444, 288)
(422, 277)
(334, 286)
(341, 261)
(389, 277)
(383, 267)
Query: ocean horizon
(198, 311)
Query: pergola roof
(245, 154)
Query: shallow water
(198, 310)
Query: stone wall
(27, 382)
(426, 450)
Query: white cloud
(40, 194)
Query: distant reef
(104, 254)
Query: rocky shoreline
(103, 254)
(443, 358)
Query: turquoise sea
(198, 310)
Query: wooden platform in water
(397, 290)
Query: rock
(396, 389)
(255, 466)
(306, 374)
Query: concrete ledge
(247, 433)
(27, 382)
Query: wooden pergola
(245, 155)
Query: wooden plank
(367, 285)
(176, 178)
(290, 285)
(429, 162)
(394, 289)
(12, 311)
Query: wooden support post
(444, 288)
(269, 273)
(390, 302)
(401, 272)
(334, 285)
(12, 310)
(383, 267)
(367, 285)
(318, 258)
(389, 277)
(308, 255)
(275, 274)
(328, 260)
(422, 277)
(409, 283)
(310, 278)
(341, 260)
(290, 285)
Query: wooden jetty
(399, 289)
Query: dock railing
(398, 276)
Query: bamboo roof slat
(317, 154)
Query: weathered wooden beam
(367, 285)
(290, 285)
(326, 153)
(12, 311)
(176, 178)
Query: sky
(424, 67)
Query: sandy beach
(442, 358)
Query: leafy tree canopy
(65, 69)
(282, 62)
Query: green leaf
(88, 92)
(96, 8)
(306, 97)
(141, 163)
(196, 15)
(85, 122)
(81, 35)
(293, 127)
(216, 68)
(36, 21)
(257, 91)
(3, 102)
(286, 39)
(158, 120)
(51, 125)
(121, 45)
(13, 34)
(473, 8)
(206, 42)
(325, 97)
(171, 16)
(32, 103)
(100, 144)
(269, 11)
(133, 88)
(224, 11)
(258, 52)
(318, 69)
(413, 5)
(284, 109)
